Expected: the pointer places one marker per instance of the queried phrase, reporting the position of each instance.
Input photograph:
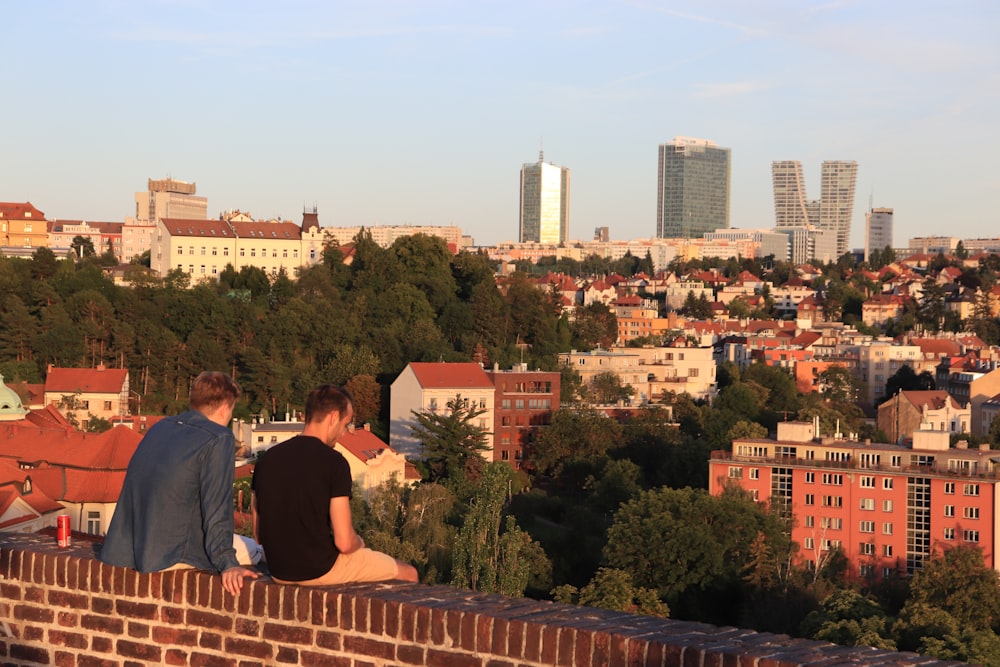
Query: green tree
(452, 444)
(846, 617)
(594, 326)
(491, 554)
(607, 389)
(367, 395)
(959, 583)
(82, 246)
(613, 589)
(576, 435)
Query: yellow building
(22, 226)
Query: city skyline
(692, 188)
(275, 109)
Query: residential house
(880, 360)
(523, 400)
(23, 229)
(428, 387)
(86, 393)
(678, 368)
(880, 309)
(909, 411)
(626, 365)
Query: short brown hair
(325, 399)
(213, 388)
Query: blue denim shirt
(176, 505)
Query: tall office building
(544, 214)
(878, 230)
(692, 188)
(831, 212)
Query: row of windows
(967, 535)
(533, 404)
(243, 252)
(837, 523)
(967, 512)
(967, 489)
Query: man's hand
(232, 579)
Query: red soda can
(62, 530)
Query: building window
(971, 513)
(107, 405)
(949, 534)
(949, 510)
(810, 477)
(834, 479)
(833, 501)
(867, 549)
(867, 526)
(735, 473)
(867, 482)
(215, 251)
(808, 543)
(810, 499)
(970, 535)
(867, 571)
(833, 523)
(887, 528)
(887, 483)
(970, 489)
(886, 505)
(93, 523)
(505, 404)
(810, 521)
(225, 252)
(505, 455)
(887, 550)
(949, 487)
(868, 504)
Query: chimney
(368, 426)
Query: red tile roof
(25, 442)
(88, 380)
(363, 444)
(442, 375)
(267, 230)
(17, 211)
(934, 399)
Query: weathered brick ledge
(63, 607)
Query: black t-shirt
(294, 482)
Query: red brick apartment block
(62, 607)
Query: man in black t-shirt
(301, 504)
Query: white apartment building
(880, 360)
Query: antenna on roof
(541, 151)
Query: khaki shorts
(363, 565)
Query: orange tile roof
(363, 444)
(28, 443)
(267, 230)
(935, 399)
(442, 375)
(87, 380)
(185, 227)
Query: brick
(288, 603)
(49, 569)
(346, 613)
(68, 639)
(258, 597)
(212, 621)
(138, 630)
(446, 659)
(246, 626)
(361, 614)
(175, 656)
(210, 640)
(583, 650)
(93, 661)
(206, 660)
(567, 644)
(172, 587)
(273, 607)
(286, 633)
(33, 633)
(439, 628)
(498, 637)
(34, 594)
(317, 606)
(303, 604)
(286, 654)
(392, 616)
(144, 610)
(411, 655)
(101, 644)
(515, 638)
(29, 654)
(499, 663)
(376, 616)
(467, 639)
(106, 624)
(10, 591)
(175, 636)
(423, 626)
(637, 652)
(369, 648)
(68, 600)
(310, 659)
(138, 650)
(24, 612)
(550, 645)
(602, 648)
(102, 605)
(329, 640)
(250, 648)
(217, 595)
(130, 583)
(67, 619)
(173, 615)
(64, 659)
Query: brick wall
(62, 607)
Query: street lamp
(138, 402)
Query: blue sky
(422, 112)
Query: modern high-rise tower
(544, 214)
(831, 213)
(692, 188)
(878, 230)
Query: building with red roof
(908, 411)
(22, 228)
(428, 387)
(86, 393)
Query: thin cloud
(749, 31)
(729, 89)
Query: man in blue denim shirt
(176, 506)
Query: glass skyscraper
(692, 188)
(831, 212)
(544, 216)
